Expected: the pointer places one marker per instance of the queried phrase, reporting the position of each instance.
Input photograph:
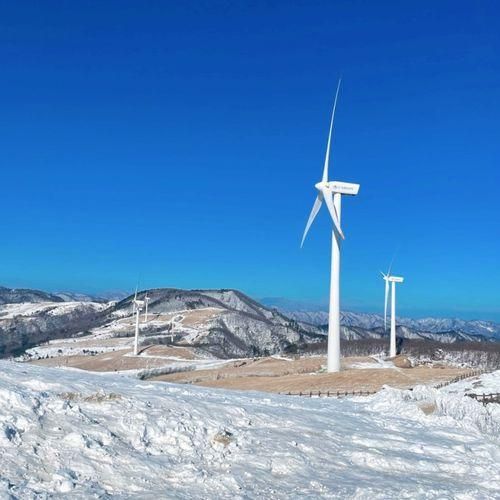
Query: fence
(486, 398)
(329, 394)
(340, 394)
(472, 373)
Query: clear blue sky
(181, 141)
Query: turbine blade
(385, 304)
(392, 261)
(327, 156)
(328, 196)
(314, 212)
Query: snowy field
(28, 309)
(68, 433)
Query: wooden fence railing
(463, 376)
(486, 398)
(329, 394)
(340, 394)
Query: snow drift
(66, 432)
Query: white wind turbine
(137, 305)
(331, 193)
(389, 278)
(134, 299)
(146, 302)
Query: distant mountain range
(236, 326)
(315, 315)
(25, 295)
(231, 325)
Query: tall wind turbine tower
(138, 305)
(331, 192)
(146, 302)
(388, 278)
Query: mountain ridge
(228, 323)
(433, 325)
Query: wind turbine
(146, 302)
(389, 278)
(138, 305)
(331, 192)
(135, 298)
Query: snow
(488, 383)
(54, 349)
(26, 309)
(73, 433)
(379, 361)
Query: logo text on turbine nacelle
(396, 279)
(343, 188)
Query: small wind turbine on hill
(137, 307)
(331, 192)
(389, 278)
(146, 302)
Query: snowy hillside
(26, 324)
(236, 326)
(22, 295)
(85, 435)
(224, 323)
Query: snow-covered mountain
(230, 324)
(112, 296)
(26, 324)
(74, 434)
(24, 295)
(236, 326)
(318, 316)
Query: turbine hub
(321, 185)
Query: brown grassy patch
(303, 375)
(223, 437)
(97, 397)
(428, 408)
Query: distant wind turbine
(331, 193)
(146, 302)
(389, 278)
(138, 305)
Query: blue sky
(180, 141)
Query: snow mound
(71, 433)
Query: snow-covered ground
(488, 383)
(57, 348)
(26, 309)
(379, 361)
(71, 433)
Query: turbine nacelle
(345, 188)
(389, 278)
(138, 305)
(395, 279)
